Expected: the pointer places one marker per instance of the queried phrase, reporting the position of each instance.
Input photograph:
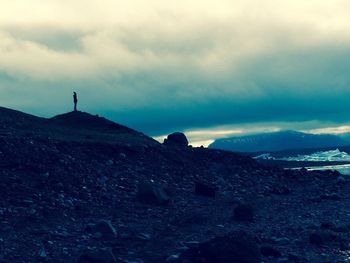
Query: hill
(119, 196)
(72, 126)
(279, 141)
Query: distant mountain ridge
(279, 141)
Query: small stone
(102, 180)
(191, 244)
(144, 236)
(340, 180)
(42, 253)
(46, 175)
(172, 258)
(281, 241)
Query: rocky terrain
(79, 188)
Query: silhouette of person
(75, 100)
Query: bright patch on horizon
(331, 130)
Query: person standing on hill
(75, 100)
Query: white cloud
(123, 55)
(215, 37)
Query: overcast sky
(205, 67)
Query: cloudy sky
(210, 68)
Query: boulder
(236, 247)
(103, 228)
(325, 238)
(152, 194)
(176, 139)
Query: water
(343, 168)
(321, 156)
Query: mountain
(80, 188)
(278, 141)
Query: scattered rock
(176, 139)
(51, 187)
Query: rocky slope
(77, 188)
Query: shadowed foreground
(79, 188)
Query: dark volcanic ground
(60, 178)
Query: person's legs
(75, 106)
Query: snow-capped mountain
(279, 141)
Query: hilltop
(72, 126)
(81, 188)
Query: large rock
(176, 139)
(103, 228)
(152, 194)
(236, 247)
(323, 238)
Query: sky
(208, 68)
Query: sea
(322, 156)
(343, 168)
